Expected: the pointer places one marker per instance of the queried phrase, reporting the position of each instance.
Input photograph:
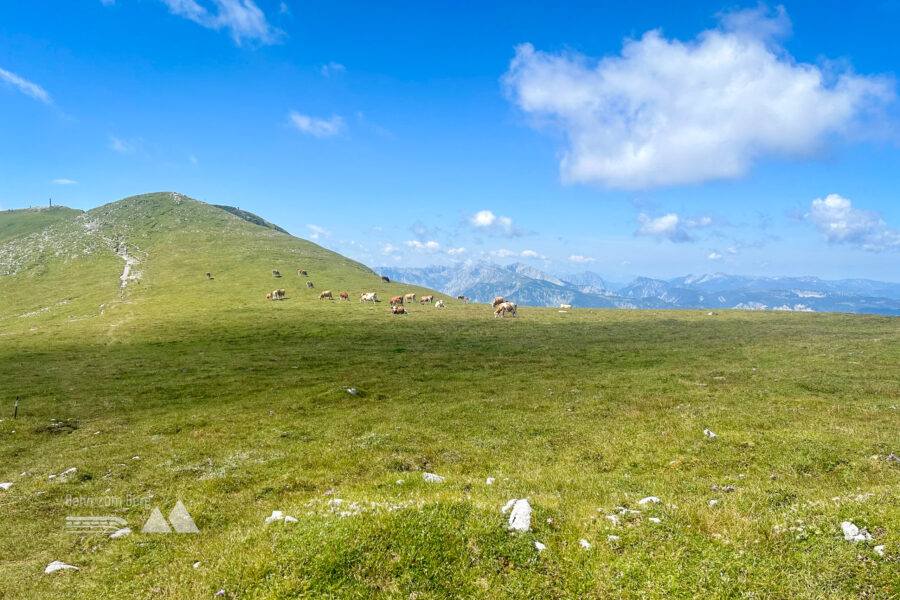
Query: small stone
(612, 538)
(432, 478)
(520, 515)
(57, 565)
(6, 486)
(709, 434)
(540, 547)
(649, 499)
(120, 533)
(197, 565)
(655, 520)
(879, 550)
(713, 502)
(585, 544)
(489, 481)
(276, 515)
(852, 533)
(289, 519)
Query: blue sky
(623, 138)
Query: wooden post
(16, 410)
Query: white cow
(439, 304)
(368, 297)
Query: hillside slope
(23, 221)
(145, 257)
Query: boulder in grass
(585, 544)
(540, 547)
(708, 433)
(852, 533)
(520, 515)
(432, 478)
(649, 499)
(5, 486)
(276, 515)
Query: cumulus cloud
(26, 87)
(577, 258)
(424, 247)
(456, 251)
(317, 232)
(840, 223)
(671, 226)
(332, 68)
(64, 181)
(317, 127)
(487, 222)
(666, 112)
(529, 254)
(389, 248)
(714, 256)
(243, 19)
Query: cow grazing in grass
(506, 307)
(426, 299)
(461, 298)
(498, 300)
(276, 273)
(368, 297)
(398, 310)
(269, 296)
(326, 294)
(565, 306)
(410, 298)
(302, 273)
(385, 279)
(397, 301)
(439, 304)
(345, 296)
(208, 275)
(309, 284)
(466, 299)
(278, 294)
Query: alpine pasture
(161, 384)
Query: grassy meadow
(179, 387)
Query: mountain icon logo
(180, 519)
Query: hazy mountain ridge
(530, 286)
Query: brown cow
(385, 279)
(302, 273)
(309, 284)
(397, 301)
(497, 300)
(208, 275)
(460, 297)
(269, 296)
(275, 273)
(344, 296)
(398, 310)
(506, 307)
(410, 298)
(426, 299)
(466, 299)
(326, 294)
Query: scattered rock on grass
(276, 515)
(432, 478)
(58, 565)
(489, 481)
(852, 533)
(540, 547)
(585, 544)
(655, 520)
(649, 499)
(709, 434)
(120, 533)
(6, 486)
(879, 550)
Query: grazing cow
(278, 294)
(208, 275)
(426, 299)
(397, 301)
(368, 296)
(506, 307)
(466, 299)
(302, 273)
(326, 294)
(385, 279)
(439, 304)
(269, 296)
(461, 297)
(497, 300)
(275, 273)
(565, 306)
(398, 310)
(344, 296)
(410, 298)
(309, 284)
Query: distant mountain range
(527, 285)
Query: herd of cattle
(500, 306)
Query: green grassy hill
(30, 220)
(178, 387)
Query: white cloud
(456, 251)
(714, 256)
(317, 127)
(667, 112)
(529, 254)
(26, 87)
(241, 18)
(389, 248)
(671, 226)
(487, 222)
(64, 181)
(332, 68)
(120, 145)
(425, 248)
(317, 232)
(840, 223)
(577, 258)
(503, 253)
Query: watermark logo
(180, 519)
(94, 524)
